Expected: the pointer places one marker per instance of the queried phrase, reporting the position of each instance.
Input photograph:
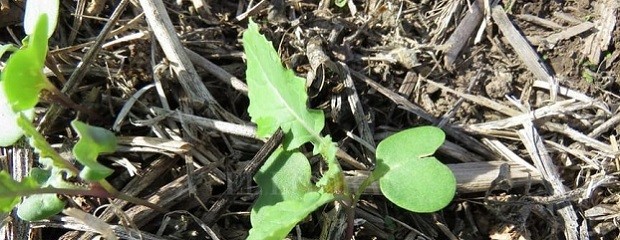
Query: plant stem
(63, 99)
(53, 190)
(117, 194)
(38, 142)
(369, 180)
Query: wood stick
(160, 23)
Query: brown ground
(385, 40)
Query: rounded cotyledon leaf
(409, 176)
(40, 206)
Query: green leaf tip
(278, 97)
(93, 141)
(340, 3)
(406, 156)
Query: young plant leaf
(340, 3)
(40, 206)
(38, 39)
(8, 120)
(7, 47)
(23, 79)
(93, 141)
(37, 8)
(406, 156)
(9, 189)
(42, 147)
(333, 179)
(276, 221)
(284, 176)
(277, 97)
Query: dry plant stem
(540, 21)
(77, 22)
(160, 23)
(253, 10)
(21, 161)
(71, 223)
(472, 143)
(505, 152)
(238, 130)
(100, 226)
(152, 144)
(518, 117)
(54, 111)
(597, 43)
(244, 177)
(167, 196)
(534, 144)
(470, 177)
(217, 71)
(358, 112)
(217, 125)
(523, 49)
(462, 34)
(120, 195)
(570, 32)
(65, 100)
(134, 187)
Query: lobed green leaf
(277, 97)
(409, 176)
(276, 221)
(93, 141)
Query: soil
(398, 44)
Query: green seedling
(22, 80)
(408, 174)
(93, 141)
(340, 3)
(432, 185)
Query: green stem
(38, 142)
(369, 180)
(46, 150)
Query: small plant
(340, 3)
(407, 173)
(22, 80)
